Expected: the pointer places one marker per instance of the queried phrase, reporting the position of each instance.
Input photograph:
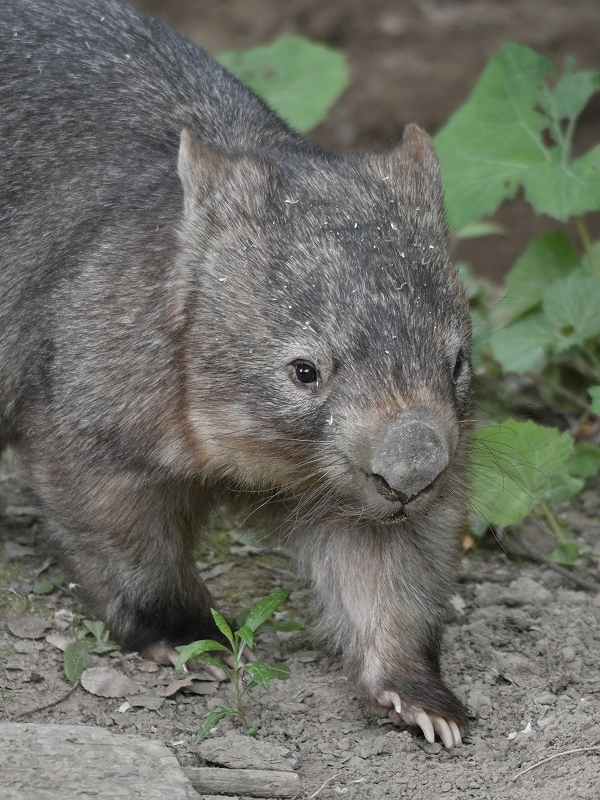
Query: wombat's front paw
(401, 711)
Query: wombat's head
(328, 336)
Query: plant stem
(587, 243)
(593, 358)
(556, 388)
(553, 522)
(238, 694)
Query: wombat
(199, 304)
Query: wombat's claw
(430, 724)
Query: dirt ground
(522, 649)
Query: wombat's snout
(409, 457)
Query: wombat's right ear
(413, 173)
(232, 184)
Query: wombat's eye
(458, 367)
(305, 372)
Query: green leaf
(482, 228)
(299, 79)
(210, 720)
(566, 553)
(223, 626)
(280, 672)
(547, 259)
(495, 142)
(572, 307)
(594, 393)
(585, 461)
(571, 93)
(103, 647)
(43, 587)
(95, 626)
(197, 649)
(265, 607)
(262, 674)
(513, 467)
(563, 487)
(245, 633)
(287, 626)
(524, 345)
(76, 659)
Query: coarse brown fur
(176, 265)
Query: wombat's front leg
(127, 545)
(383, 593)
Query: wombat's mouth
(393, 506)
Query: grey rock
(43, 762)
(243, 752)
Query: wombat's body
(196, 301)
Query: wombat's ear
(231, 184)
(413, 171)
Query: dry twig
(48, 705)
(556, 755)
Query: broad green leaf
(43, 587)
(594, 393)
(513, 467)
(563, 487)
(572, 307)
(571, 93)
(299, 79)
(76, 659)
(547, 259)
(265, 607)
(95, 626)
(565, 190)
(523, 346)
(210, 720)
(197, 649)
(223, 626)
(585, 461)
(494, 143)
(565, 553)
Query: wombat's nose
(410, 456)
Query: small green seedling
(78, 655)
(253, 673)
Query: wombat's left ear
(413, 172)
(229, 185)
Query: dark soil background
(410, 61)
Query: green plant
(251, 673)
(298, 78)
(77, 656)
(516, 130)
